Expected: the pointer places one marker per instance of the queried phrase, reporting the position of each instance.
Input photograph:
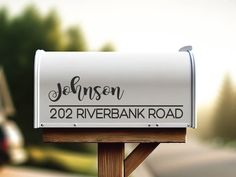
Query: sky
(156, 26)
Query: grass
(69, 161)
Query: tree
(75, 40)
(108, 47)
(224, 114)
(20, 37)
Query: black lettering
(53, 111)
(151, 112)
(158, 113)
(124, 114)
(107, 112)
(98, 97)
(66, 90)
(115, 113)
(61, 113)
(106, 90)
(116, 90)
(92, 93)
(55, 95)
(89, 113)
(73, 83)
(80, 95)
(170, 114)
(140, 113)
(99, 113)
(180, 115)
(81, 112)
(69, 114)
(132, 113)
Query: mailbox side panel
(38, 57)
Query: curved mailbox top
(112, 89)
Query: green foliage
(75, 162)
(108, 47)
(52, 31)
(20, 37)
(75, 40)
(224, 120)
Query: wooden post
(111, 162)
(114, 135)
(137, 156)
(110, 159)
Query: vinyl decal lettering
(93, 93)
(98, 111)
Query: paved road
(191, 159)
(179, 160)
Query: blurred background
(112, 25)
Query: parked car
(4, 157)
(11, 139)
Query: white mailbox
(113, 89)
